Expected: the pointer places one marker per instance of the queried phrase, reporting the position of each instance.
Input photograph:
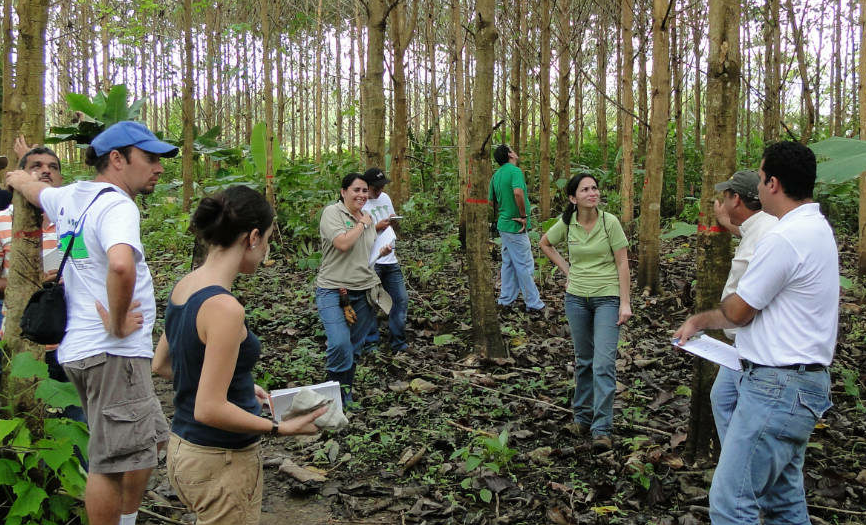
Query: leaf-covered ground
(444, 437)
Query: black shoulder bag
(44, 318)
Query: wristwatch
(275, 430)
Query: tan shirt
(348, 269)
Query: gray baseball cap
(743, 183)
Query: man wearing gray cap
(107, 349)
(740, 213)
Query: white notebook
(281, 400)
(712, 350)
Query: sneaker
(601, 443)
(578, 429)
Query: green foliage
(41, 476)
(94, 115)
(680, 229)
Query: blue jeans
(392, 280)
(595, 334)
(761, 464)
(345, 342)
(723, 398)
(517, 269)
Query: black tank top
(187, 358)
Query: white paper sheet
(51, 260)
(281, 400)
(712, 350)
(386, 238)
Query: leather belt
(812, 367)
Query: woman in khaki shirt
(344, 280)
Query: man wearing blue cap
(111, 309)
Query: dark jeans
(392, 280)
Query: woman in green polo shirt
(596, 301)
(346, 278)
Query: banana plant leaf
(839, 159)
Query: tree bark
(402, 31)
(188, 109)
(837, 67)
(650, 215)
(317, 87)
(514, 79)
(676, 64)
(861, 259)
(374, 114)
(486, 336)
(544, 102)
(601, 81)
(772, 73)
(460, 100)
(269, 101)
(24, 112)
(642, 103)
(806, 91)
(627, 181)
(561, 166)
(697, 33)
(720, 161)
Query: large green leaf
(82, 103)
(28, 499)
(8, 471)
(74, 431)
(57, 394)
(7, 426)
(25, 365)
(839, 159)
(115, 105)
(54, 453)
(257, 147)
(680, 229)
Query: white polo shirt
(751, 231)
(793, 282)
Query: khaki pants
(221, 485)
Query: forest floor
(434, 412)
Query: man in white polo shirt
(788, 304)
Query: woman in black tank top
(208, 352)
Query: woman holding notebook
(214, 457)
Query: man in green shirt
(508, 191)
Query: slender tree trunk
(806, 91)
(486, 336)
(188, 110)
(562, 123)
(317, 87)
(514, 80)
(627, 181)
(677, 67)
(402, 31)
(601, 81)
(433, 103)
(104, 40)
(362, 101)
(642, 102)
(269, 101)
(837, 68)
(697, 33)
(772, 73)
(339, 88)
(650, 209)
(544, 101)
(578, 104)
(24, 112)
(460, 100)
(374, 116)
(861, 88)
(720, 161)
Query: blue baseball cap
(129, 133)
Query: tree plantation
(661, 128)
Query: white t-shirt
(381, 208)
(751, 231)
(112, 219)
(793, 281)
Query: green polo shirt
(506, 179)
(592, 271)
(348, 269)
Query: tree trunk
(374, 114)
(188, 110)
(433, 103)
(514, 79)
(713, 242)
(339, 89)
(676, 64)
(697, 33)
(104, 40)
(561, 170)
(772, 73)
(544, 101)
(460, 96)
(627, 181)
(806, 91)
(837, 68)
(24, 112)
(648, 261)
(861, 261)
(601, 81)
(486, 336)
(317, 86)
(402, 31)
(269, 101)
(642, 103)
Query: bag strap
(72, 240)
